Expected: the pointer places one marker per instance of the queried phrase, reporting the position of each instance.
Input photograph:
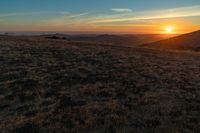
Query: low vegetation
(57, 86)
(189, 41)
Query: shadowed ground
(59, 86)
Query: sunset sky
(117, 16)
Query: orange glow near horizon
(174, 20)
(170, 29)
(160, 26)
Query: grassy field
(52, 86)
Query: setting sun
(169, 29)
(99, 66)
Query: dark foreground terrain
(189, 41)
(52, 86)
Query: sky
(100, 16)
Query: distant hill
(189, 41)
(120, 40)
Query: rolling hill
(189, 41)
(58, 86)
(119, 40)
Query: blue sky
(89, 5)
(96, 15)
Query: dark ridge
(189, 41)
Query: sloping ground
(118, 40)
(58, 86)
(190, 41)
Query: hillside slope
(117, 40)
(190, 41)
(58, 86)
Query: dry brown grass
(59, 86)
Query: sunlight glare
(169, 29)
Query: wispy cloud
(150, 15)
(66, 19)
(118, 18)
(73, 15)
(121, 10)
(77, 15)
